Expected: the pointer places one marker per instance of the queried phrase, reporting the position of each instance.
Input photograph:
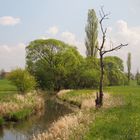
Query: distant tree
(102, 52)
(137, 77)
(91, 41)
(23, 80)
(2, 74)
(115, 71)
(129, 66)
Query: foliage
(22, 80)
(20, 115)
(129, 66)
(137, 77)
(114, 70)
(91, 29)
(52, 62)
(2, 74)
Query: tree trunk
(99, 96)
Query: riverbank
(76, 125)
(18, 107)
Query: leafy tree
(22, 79)
(129, 66)
(114, 70)
(91, 29)
(137, 77)
(2, 74)
(52, 62)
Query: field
(7, 90)
(121, 122)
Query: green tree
(52, 62)
(137, 77)
(23, 80)
(129, 66)
(91, 41)
(115, 71)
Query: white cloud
(12, 56)
(122, 33)
(53, 30)
(71, 39)
(9, 21)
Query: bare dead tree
(102, 52)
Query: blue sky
(24, 21)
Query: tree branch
(115, 48)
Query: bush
(22, 80)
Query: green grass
(6, 85)
(119, 123)
(6, 90)
(20, 115)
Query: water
(35, 124)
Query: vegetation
(118, 120)
(91, 29)
(129, 66)
(113, 123)
(16, 107)
(53, 63)
(22, 80)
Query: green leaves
(22, 80)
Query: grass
(20, 115)
(119, 123)
(7, 90)
(13, 106)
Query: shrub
(22, 80)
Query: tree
(129, 66)
(23, 80)
(114, 69)
(102, 52)
(52, 62)
(137, 77)
(2, 74)
(91, 41)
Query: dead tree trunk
(102, 51)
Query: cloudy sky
(22, 21)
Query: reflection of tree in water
(36, 123)
(1, 132)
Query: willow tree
(129, 66)
(91, 41)
(102, 52)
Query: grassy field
(113, 123)
(7, 90)
(119, 123)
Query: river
(24, 130)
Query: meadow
(118, 122)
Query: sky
(22, 21)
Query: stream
(24, 130)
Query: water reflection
(36, 124)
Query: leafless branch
(115, 48)
(103, 17)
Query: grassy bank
(120, 120)
(15, 107)
(119, 123)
